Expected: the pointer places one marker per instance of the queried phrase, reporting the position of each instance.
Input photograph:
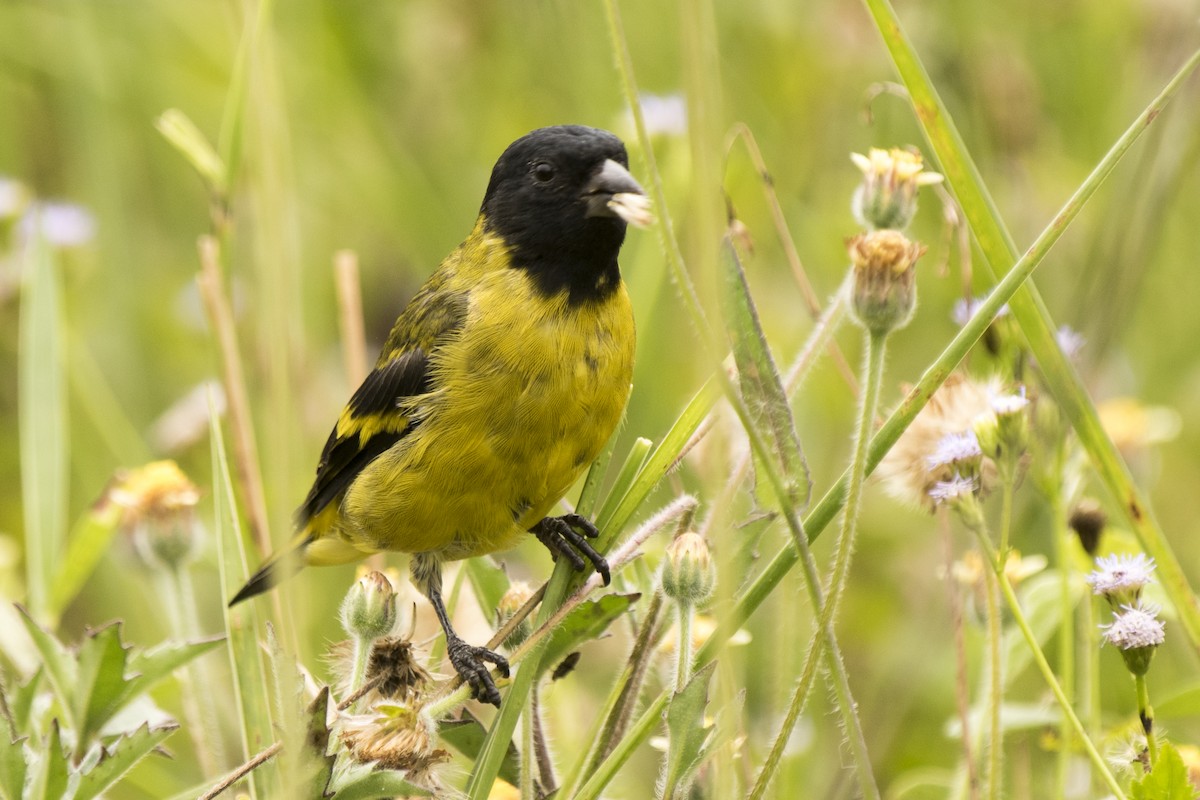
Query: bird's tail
(279, 567)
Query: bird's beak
(612, 192)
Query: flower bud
(516, 596)
(1088, 520)
(887, 196)
(688, 574)
(885, 291)
(158, 505)
(369, 609)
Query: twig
(243, 771)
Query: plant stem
(1066, 631)
(872, 377)
(359, 662)
(1039, 658)
(527, 781)
(683, 664)
(1146, 713)
(996, 687)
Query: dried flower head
(887, 196)
(905, 469)
(1088, 520)
(885, 291)
(393, 663)
(1120, 578)
(392, 736)
(158, 504)
(1137, 632)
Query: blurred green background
(373, 127)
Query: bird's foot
(561, 539)
(469, 663)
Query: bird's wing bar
(369, 425)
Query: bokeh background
(373, 127)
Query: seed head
(885, 290)
(887, 196)
(393, 736)
(158, 504)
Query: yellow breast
(525, 396)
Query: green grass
(373, 126)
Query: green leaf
(589, 619)
(245, 656)
(100, 689)
(686, 732)
(148, 667)
(58, 665)
(49, 771)
(12, 760)
(761, 387)
(42, 420)
(923, 783)
(20, 701)
(1183, 703)
(1168, 780)
(89, 540)
(118, 758)
(488, 582)
(180, 131)
(466, 735)
(379, 785)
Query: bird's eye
(543, 172)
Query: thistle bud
(158, 505)
(1088, 520)
(887, 196)
(369, 610)
(516, 596)
(688, 575)
(885, 291)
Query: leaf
(761, 388)
(118, 758)
(148, 667)
(48, 770)
(42, 420)
(100, 689)
(1184, 703)
(58, 665)
(316, 743)
(381, 785)
(686, 732)
(466, 735)
(178, 129)
(89, 540)
(488, 582)
(20, 701)
(1042, 603)
(12, 760)
(1168, 780)
(590, 619)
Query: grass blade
(43, 420)
(1030, 312)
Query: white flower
(1135, 627)
(954, 449)
(1121, 573)
(1070, 341)
(1009, 404)
(947, 492)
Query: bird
(500, 382)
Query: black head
(548, 198)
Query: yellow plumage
(500, 382)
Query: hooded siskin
(500, 382)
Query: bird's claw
(470, 663)
(559, 536)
